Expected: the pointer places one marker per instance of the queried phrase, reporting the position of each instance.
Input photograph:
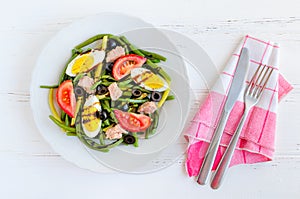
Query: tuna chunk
(114, 91)
(147, 107)
(115, 54)
(115, 132)
(86, 83)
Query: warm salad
(109, 93)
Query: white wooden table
(29, 168)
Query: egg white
(92, 101)
(97, 55)
(136, 75)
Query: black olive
(136, 92)
(103, 115)
(111, 44)
(155, 96)
(101, 89)
(125, 107)
(129, 139)
(109, 66)
(78, 91)
(97, 114)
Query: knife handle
(227, 156)
(212, 151)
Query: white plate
(168, 141)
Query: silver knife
(233, 94)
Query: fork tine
(251, 83)
(260, 79)
(265, 82)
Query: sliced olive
(156, 96)
(136, 92)
(78, 91)
(101, 89)
(129, 139)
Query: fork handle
(226, 159)
(212, 150)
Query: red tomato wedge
(124, 64)
(132, 122)
(65, 98)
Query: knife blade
(235, 89)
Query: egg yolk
(82, 64)
(153, 81)
(90, 120)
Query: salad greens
(109, 93)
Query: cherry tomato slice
(132, 122)
(124, 64)
(65, 98)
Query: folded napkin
(256, 143)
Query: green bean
(76, 51)
(67, 121)
(106, 122)
(153, 55)
(71, 134)
(101, 97)
(49, 86)
(159, 70)
(112, 115)
(77, 78)
(107, 77)
(152, 129)
(101, 138)
(106, 83)
(120, 42)
(105, 105)
(124, 83)
(127, 94)
(62, 125)
(136, 143)
(91, 40)
(125, 89)
(132, 47)
(155, 60)
(62, 115)
(94, 86)
(137, 101)
(131, 109)
(170, 97)
(81, 51)
(141, 89)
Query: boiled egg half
(85, 62)
(91, 122)
(148, 80)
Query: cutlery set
(251, 96)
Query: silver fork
(252, 95)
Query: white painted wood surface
(31, 169)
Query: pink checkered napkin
(256, 143)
